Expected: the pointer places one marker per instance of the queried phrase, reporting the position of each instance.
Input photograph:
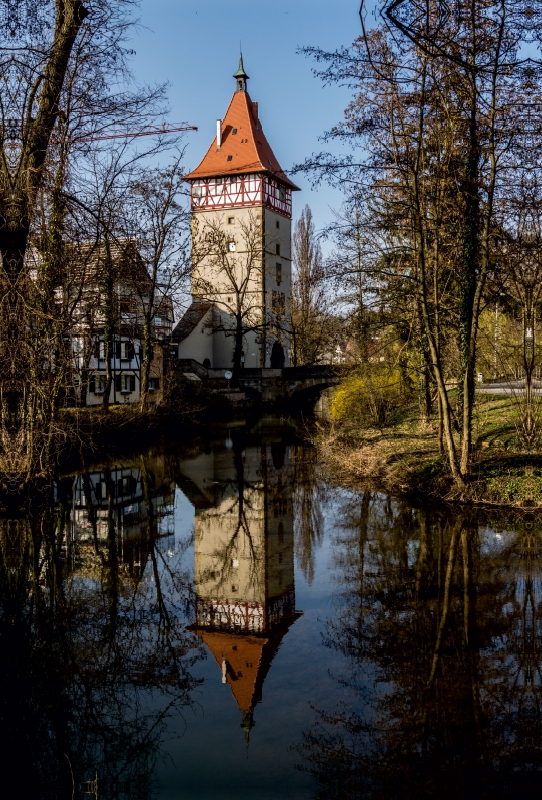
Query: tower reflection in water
(244, 561)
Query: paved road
(516, 388)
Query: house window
(96, 386)
(126, 350)
(280, 531)
(158, 321)
(101, 350)
(278, 249)
(231, 247)
(125, 384)
(126, 486)
(278, 302)
(278, 273)
(154, 384)
(231, 220)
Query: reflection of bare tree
(308, 496)
(240, 500)
(439, 623)
(92, 662)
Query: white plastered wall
(222, 344)
(257, 346)
(199, 342)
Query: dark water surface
(219, 621)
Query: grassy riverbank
(403, 458)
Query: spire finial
(240, 76)
(247, 725)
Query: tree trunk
(109, 325)
(145, 362)
(467, 287)
(238, 349)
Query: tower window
(278, 273)
(277, 223)
(231, 220)
(231, 247)
(278, 249)
(234, 130)
(229, 158)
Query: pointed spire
(240, 76)
(247, 724)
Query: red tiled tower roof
(243, 656)
(249, 149)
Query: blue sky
(194, 45)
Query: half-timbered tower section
(241, 202)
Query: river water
(215, 619)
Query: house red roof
(244, 141)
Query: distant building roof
(190, 319)
(244, 147)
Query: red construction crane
(151, 130)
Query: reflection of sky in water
(369, 575)
(494, 541)
(211, 759)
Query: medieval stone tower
(241, 205)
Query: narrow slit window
(229, 158)
(277, 249)
(278, 273)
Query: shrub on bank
(369, 397)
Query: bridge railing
(257, 373)
(314, 371)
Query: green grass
(403, 457)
